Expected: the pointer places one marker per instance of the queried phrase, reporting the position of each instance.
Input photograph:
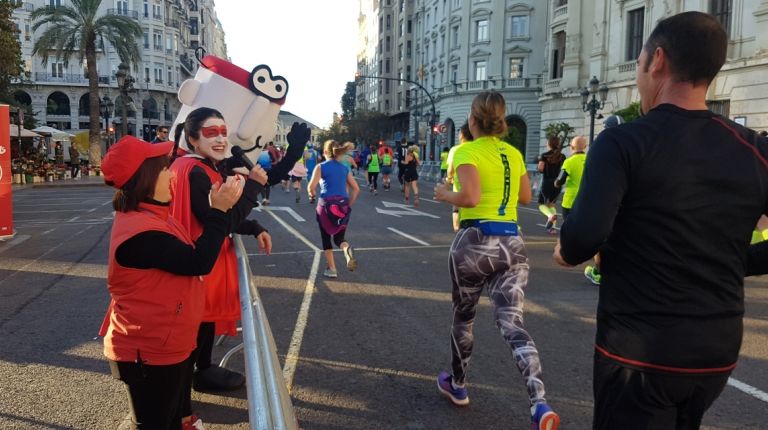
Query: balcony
(124, 12)
(627, 67)
(172, 23)
(560, 14)
(67, 78)
(27, 6)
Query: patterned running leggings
(499, 263)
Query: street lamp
(593, 105)
(433, 116)
(147, 105)
(124, 84)
(106, 106)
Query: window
(409, 26)
(57, 70)
(388, 45)
(122, 7)
(402, 28)
(386, 88)
(158, 74)
(634, 33)
(481, 30)
(515, 68)
(518, 26)
(559, 3)
(193, 26)
(168, 43)
(389, 22)
(54, 3)
(456, 4)
(408, 49)
(147, 77)
(558, 54)
(434, 49)
(146, 40)
(400, 52)
(381, 25)
(455, 36)
(480, 70)
(146, 9)
(157, 11)
(387, 66)
(454, 73)
(157, 41)
(170, 75)
(408, 72)
(721, 9)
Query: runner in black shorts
(549, 166)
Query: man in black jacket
(670, 201)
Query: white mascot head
(249, 101)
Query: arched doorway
(84, 107)
(450, 133)
(22, 98)
(57, 104)
(517, 133)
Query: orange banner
(6, 175)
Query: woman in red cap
(154, 279)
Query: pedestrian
(154, 277)
(364, 155)
(297, 174)
(464, 136)
(266, 161)
(206, 135)
(401, 152)
(411, 174)
(373, 172)
(549, 167)
(488, 252)
(348, 160)
(444, 163)
(335, 204)
(672, 222)
(161, 135)
(74, 160)
(569, 177)
(386, 156)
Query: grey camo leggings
(499, 263)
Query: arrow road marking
(401, 210)
(290, 211)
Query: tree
(11, 65)
(629, 113)
(78, 30)
(561, 130)
(348, 101)
(516, 139)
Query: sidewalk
(88, 181)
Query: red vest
(154, 315)
(222, 303)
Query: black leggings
(155, 393)
(373, 178)
(338, 238)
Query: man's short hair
(162, 129)
(695, 44)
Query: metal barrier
(269, 404)
(430, 171)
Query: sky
(311, 43)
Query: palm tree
(78, 29)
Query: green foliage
(11, 65)
(629, 113)
(79, 30)
(367, 127)
(561, 130)
(348, 101)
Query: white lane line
(75, 218)
(292, 358)
(378, 248)
(752, 391)
(408, 236)
(428, 200)
(293, 231)
(47, 231)
(545, 226)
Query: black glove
(297, 139)
(230, 164)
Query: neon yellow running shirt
(444, 160)
(373, 165)
(499, 167)
(574, 165)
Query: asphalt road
(372, 341)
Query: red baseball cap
(126, 156)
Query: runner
(549, 166)
(335, 205)
(444, 163)
(373, 172)
(489, 253)
(297, 174)
(411, 175)
(386, 157)
(401, 152)
(464, 136)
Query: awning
(54, 133)
(24, 132)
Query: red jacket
(222, 304)
(154, 315)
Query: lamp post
(147, 105)
(107, 106)
(433, 113)
(593, 105)
(124, 84)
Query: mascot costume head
(250, 103)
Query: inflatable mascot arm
(250, 103)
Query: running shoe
(265, 202)
(544, 418)
(312, 200)
(330, 273)
(591, 274)
(349, 255)
(457, 395)
(551, 222)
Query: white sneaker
(330, 273)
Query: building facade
(603, 38)
(454, 49)
(173, 29)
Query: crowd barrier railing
(269, 404)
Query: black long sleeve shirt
(670, 201)
(160, 250)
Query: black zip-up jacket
(670, 201)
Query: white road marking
(293, 231)
(408, 236)
(545, 226)
(75, 218)
(292, 357)
(287, 209)
(402, 209)
(752, 391)
(15, 241)
(47, 231)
